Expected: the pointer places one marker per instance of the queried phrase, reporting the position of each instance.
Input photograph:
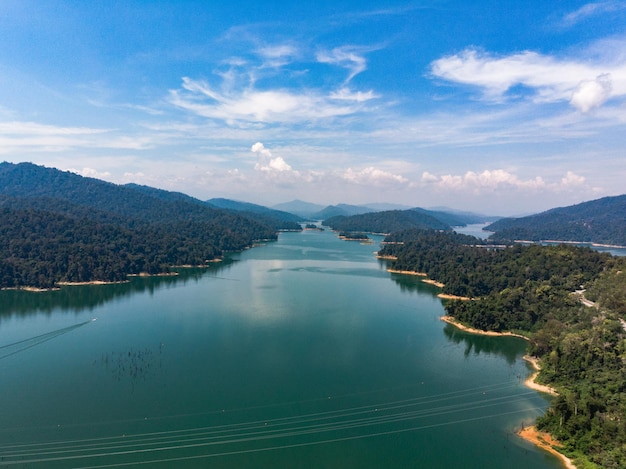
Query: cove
(303, 353)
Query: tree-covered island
(571, 304)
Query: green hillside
(386, 222)
(600, 221)
(57, 226)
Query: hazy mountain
(456, 218)
(299, 207)
(599, 221)
(383, 207)
(279, 219)
(345, 210)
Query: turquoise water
(300, 353)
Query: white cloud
(347, 95)
(572, 180)
(91, 173)
(584, 85)
(346, 57)
(590, 94)
(499, 179)
(277, 55)
(266, 161)
(34, 128)
(592, 9)
(249, 105)
(372, 176)
(17, 136)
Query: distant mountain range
(319, 212)
(601, 221)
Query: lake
(301, 353)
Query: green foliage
(353, 236)
(530, 289)
(58, 227)
(597, 221)
(386, 222)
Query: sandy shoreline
(406, 272)
(445, 296)
(433, 282)
(531, 434)
(546, 442)
(458, 325)
(93, 282)
(530, 381)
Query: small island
(350, 236)
(312, 227)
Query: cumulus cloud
(584, 85)
(490, 180)
(91, 173)
(267, 162)
(590, 94)
(372, 176)
(571, 180)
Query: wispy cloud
(347, 57)
(33, 136)
(590, 10)
(277, 55)
(585, 86)
(264, 106)
(238, 100)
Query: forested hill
(57, 226)
(386, 222)
(284, 220)
(536, 290)
(600, 221)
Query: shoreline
(92, 282)
(581, 243)
(448, 296)
(540, 439)
(443, 296)
(406, 272)
(545, 441)
(530, 381)
(458, 325)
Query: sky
(497, 107)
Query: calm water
(301, 353)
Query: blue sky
(498, 107)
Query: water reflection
(507, 347)
(413, 284)
(88, 297)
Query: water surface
(304, 352)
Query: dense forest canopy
(385, 222)
(601, 221)
(60, 227)
(537, 290)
